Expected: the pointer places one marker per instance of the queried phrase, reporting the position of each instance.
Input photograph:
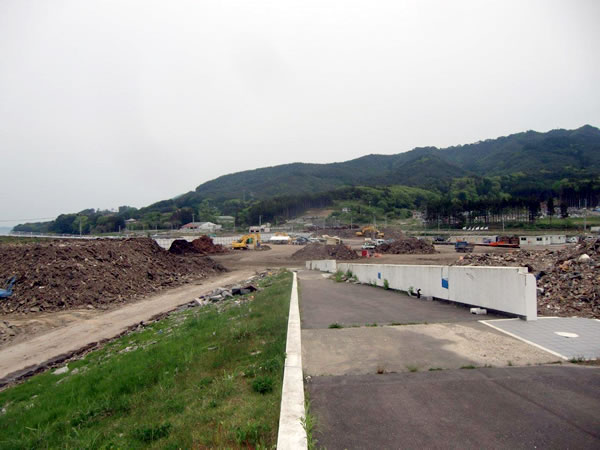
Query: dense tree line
(457, 202)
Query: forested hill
(515, 172)
(552, 156)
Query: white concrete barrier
(324, 265)
(291, 434)
(507, 289)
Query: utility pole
(193, 217)
(80, 226)
(260, 220)
(585, 215)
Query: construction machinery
(245, 241)
(370, 231)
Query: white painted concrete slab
(566, 337)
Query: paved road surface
(534, 405)
(511, 408)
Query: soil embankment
(56, 276)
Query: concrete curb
(291, 433)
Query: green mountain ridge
(557, 151)
(515, 172)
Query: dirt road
(80, 330)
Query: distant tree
(564, 211)
(550, 207)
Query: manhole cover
(566, 334)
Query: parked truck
(463, 247)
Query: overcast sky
(108, 103)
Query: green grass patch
(335, 325)
(204, 377)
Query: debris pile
(347, 232)
(568, 279)
(54, 275)
(203, 245)
(320, 251)
(406, 246)
(342, 232)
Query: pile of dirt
(203, 245)
(92, 273)
(321, 251)
(406, 246)
(568, 279)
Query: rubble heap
(320, 251)
(568, 279)
(406, 246)
(92, 273)
(203, 245)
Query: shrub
(262, 385)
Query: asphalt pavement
(501, 408)
(441, 380)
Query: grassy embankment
(205, 377)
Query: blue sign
(379, 275)
(445, 283)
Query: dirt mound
(203, 245)
(182, 247)
(68, 274)
(568, 282)
(320, 251)
(406, 246)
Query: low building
(545, 239)
(207, 227)
(264, 228)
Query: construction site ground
(435, 378)
(34, 336)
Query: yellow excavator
(370, 231)
(245, 241)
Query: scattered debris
(320, 251)
(55, 276)
(60, 371)
(568, 280)
(478, 311)
(5, 293)
(406, 246)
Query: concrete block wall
(324, 265)
(507, 289)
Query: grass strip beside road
(204, 377)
